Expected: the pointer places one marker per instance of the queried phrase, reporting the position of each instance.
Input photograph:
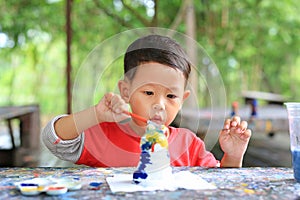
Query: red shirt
(110, 144)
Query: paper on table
(183, 179)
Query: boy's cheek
(177, 105)
(171, 114)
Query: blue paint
(140, 172)
(29, 185)
(296, 164)
(146, 146)
(137, 175)
(95, 185)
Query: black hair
(156, 48)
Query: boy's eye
(171, 96)
(148, 92)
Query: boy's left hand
(234, 137)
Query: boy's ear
(186, 94)
(124, 90)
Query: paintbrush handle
(136, 116)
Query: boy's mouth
(157, 119)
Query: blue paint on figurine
(155, 134)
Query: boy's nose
(158, 107)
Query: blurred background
(254, 44)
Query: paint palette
(50, 186)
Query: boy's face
(156, 92)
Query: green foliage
(255, 44)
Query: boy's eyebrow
(171, 88)
(174, 88)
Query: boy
(156, 74)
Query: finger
(235, 121)
(115, 99)
(119, 117)
(116, 102)
(227, 124)
(246, 135)
(243, 126)
(224, 131)
(108, 97)
(120, 107)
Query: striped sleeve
(68, 150)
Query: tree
(254, 43)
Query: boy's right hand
(111, 108)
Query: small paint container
(41, 183)
(95, 185)
(56, 190)
(30, 190)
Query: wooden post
(69, 66)
(190, 21)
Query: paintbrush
(140, 118)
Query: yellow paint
(156, 135)
(29, 189)
(158, 138)
(249, 191)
